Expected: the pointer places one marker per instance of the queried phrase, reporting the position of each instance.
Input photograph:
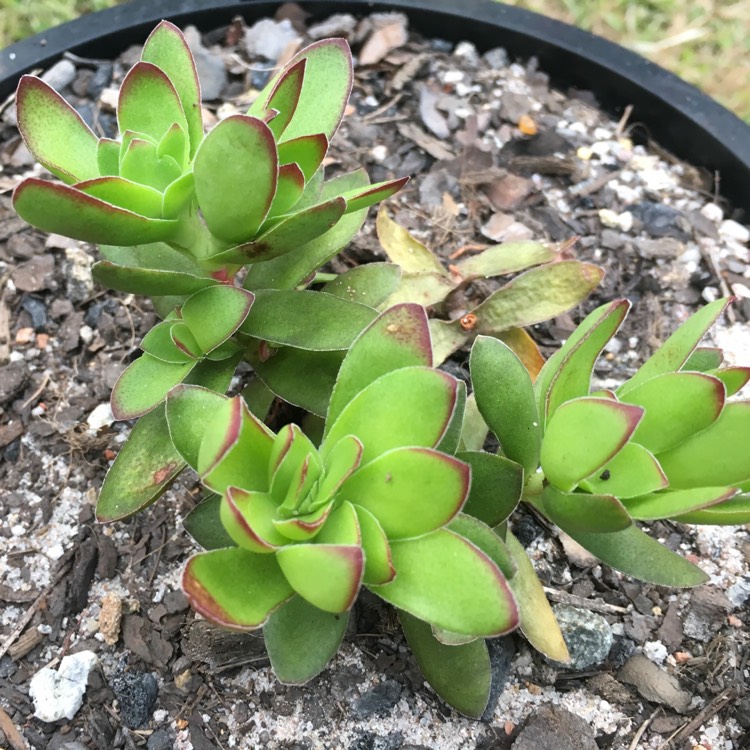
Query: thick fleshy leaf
(108, 156)
(291, 447)
(361, 198)
(470, 596)
(426, 289)
(573, 378)
(139, 199)
(582, 436)
(326, 575)
(510, 257)
(717, 456)
(486, 539)
(156, 255)
(496, 486)
(215, 313)
(398, 338)
(632, 471)
(145, 466)
(140, 162)
(704, 359)
(325, 91)
(342, 527)
(248, 518)
(678, 405)
(292, 269)
(733, 512)
(538, 622)
(447, 337)
(412, 406)
(676, 350)
(203, 523)
(635, 553)
(148, 281)
(158, 342)
(342, 461)
(178, 196)
(307, 152)
(287, 235)
(148, 102)
(54, 132)
(166, 48)
(525, 348)
(144, 385)
(183, 339)
(734, 378)
(404, 250)
(660, 505)
(537, 295)
(378, 566)
(235, 198)
(474, 430)
(235, 588)
(411, 491)
(216, 376)
(460, 675)
(579, 511)
(189, 409)
(305, 527)
(306, 320)
(370, 284)
(302, 639)
(284, 97)
(505, 398)
(289, 189)
(174, 143)
(451, 439)
(235, 449)
(64, 210)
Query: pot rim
(692, 125)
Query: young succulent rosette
(667, 444)
(299, 526)
(249, 191)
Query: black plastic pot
(688, 123)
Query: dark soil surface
(462, 124)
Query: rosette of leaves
(667, 444)
(546, 286)
(297, 527)
(194, 207)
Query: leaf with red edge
(235, 588)
(236, 171)
(289, 189)
(167, 48)
(135, 197)
(67, 211)
(469, 596)
(54, 132)
(284, 97)
(326, 575)
(249, 518)
(306, 152)
(674, 503)
(734, 378)
(582, 436)
(411, 491)
(149, 281)
(632, 471)
(732, 512)
(215, 313)
(366, 197)
(148, 102)
(579, 511)
(140, 162)
(378, 566)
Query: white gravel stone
(59, 695)
(732, 230)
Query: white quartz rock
(59, 695)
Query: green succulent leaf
(291, 269)
(236, 171)
(412, 406)
(673, 503)
(460, 675)
(343, 460)
(307, 152)
(108, 157)
(144, 384)
(632, 471)
(301, 639)
(676, 350)
(64, 210)
(403, 249)
(572, 376)
(397, 338)
(156, 255)
(283, 98)
(582, 436)
(361, 198)
(411, 491)
(167, 49)
(496, 486)
(183, 339)
(145, 466)
(378, 566)
(326, 575)
(716, 456)
(149, 281)
(174, 143)
(178, 195)
(289, 189)
(487, 540)
(579, 511)
(704, 359)
(447, 337)
(474, 430)
(370, 284)
(215, 313)
(505, 397)
(732, 512)
(678, 405)
(452, 437)
(54, 132)
(538, 622)
(510, 257)
(248, 518)
(148, 102)
(140, 162)
(235, 588)
(306, 320)
(470, 596)
(158, 342)
(635, 553)
(519, 303)
(203, 523)
(140, 199)
(734, 378)
(291, 447)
